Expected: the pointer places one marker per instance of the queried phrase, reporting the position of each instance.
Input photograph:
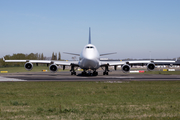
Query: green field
(90, 100)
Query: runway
(65, 76)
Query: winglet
(4, 59)
(89, 35)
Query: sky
(133, 28)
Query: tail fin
(89, 35)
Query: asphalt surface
(65, 76)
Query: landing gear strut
(106, 71)
(72, 70)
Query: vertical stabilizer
(89, 36)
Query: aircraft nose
(89, 55)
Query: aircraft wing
(112, 63)
(108, 53)
(72, 53)
(46, 62)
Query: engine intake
(28, 66)
(53, 68)
(151, 66)
(126, 68)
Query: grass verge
(90, 100)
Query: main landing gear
(106, 71)
(95, 73)
(72, 71)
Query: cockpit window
(89, 47)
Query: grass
(146, 100)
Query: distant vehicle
(89, 60)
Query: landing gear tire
(83, 73)
(105, 73)
(73, 73)
(95, 73)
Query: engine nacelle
(151, 66)
(28, 66)
(53, 68)
(126, 68)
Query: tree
(42, 56)
(55, 57)
(39, 57)
(59, 57)
(20, 56)
(32, 56)
(52, 56)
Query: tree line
(31, 56)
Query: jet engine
(53, 68)
(126, 68)
(150, 66)
(28, 66)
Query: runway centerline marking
(118, 77)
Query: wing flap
(111, 63)
(66, 62)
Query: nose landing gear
(95, 73)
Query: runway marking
(3, 79)
(118, 77)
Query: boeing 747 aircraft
(89, 60)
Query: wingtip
(3, 59)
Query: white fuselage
(89, 58)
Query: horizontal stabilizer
(108, 53)
(72, 53)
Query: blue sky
(132, 28)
